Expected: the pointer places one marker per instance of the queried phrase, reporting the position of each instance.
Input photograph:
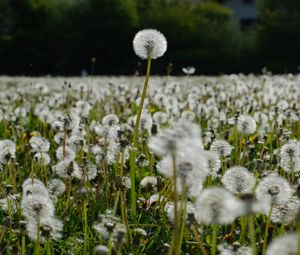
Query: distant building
(245, 12)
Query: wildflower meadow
(150, 164)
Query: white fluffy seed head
(149, 43)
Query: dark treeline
(60, 37)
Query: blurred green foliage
(60, 37)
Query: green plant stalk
(267, 230)
(176, 213)
(252, 233)
(243, 229)
(48, 247)
(140, 109)
(237, 153)
(135, 142)
(214, 240)
(298, 233)
(198, 239)
(37, 242)
(23, 248)
(10, 216)
(85, 227)
(183, 210)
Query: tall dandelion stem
(267, 231)
(176, 215)
(140, 109)
(214, 240)
(252, 233)
(135, 141)
(85, 227)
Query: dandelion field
(66, 159)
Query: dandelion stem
(135, 142)
(183, 210)
(23, 244)
(37, 242)
(140, 109)
(252, 233)
(176, 215)
(85, 227)
(267, 231)
(214, 240)
(198, 239)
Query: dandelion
(290, 157)
(7, 151)
(287, 244)
(149, 182)
(286, 213)
(273, 189)
(42, 158)
(37, 207)
(68, 156)
(189, 70)
(213, 162)
(39, 144)
(149, 43)
(217, 206)
(49, 228)
(222, 147)
(238, 180)
(246, 125)
(65, 168)
(56, 187)
(110, 119)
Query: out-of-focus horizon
(68, 37)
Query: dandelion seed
(286, 213)
(246, 125)
(290, 157)
(149, 43)
(56, 187)
(7, 151)
(222, 147)
(238, 180)
(50, 228)
(274, 190)
(217, 206)
(39, 144)
(287, 244)
(69, 154)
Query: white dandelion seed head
(273, 189)
(42, 158)
(216, 205)
(246, 125)
(213, 163)
(56, 187)
(226, 249)
(89, 171)
(7, 151)
(149, 181)
(287, 244)
(50, 227)
(290, 156)
(65, 168)
(69, 154)
(34, 186)
(222, 147)
(238, 180)
(37, 207)
(110, 119)
(149, 43)
(39, 144)
(286, 213)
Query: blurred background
(73, 37)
